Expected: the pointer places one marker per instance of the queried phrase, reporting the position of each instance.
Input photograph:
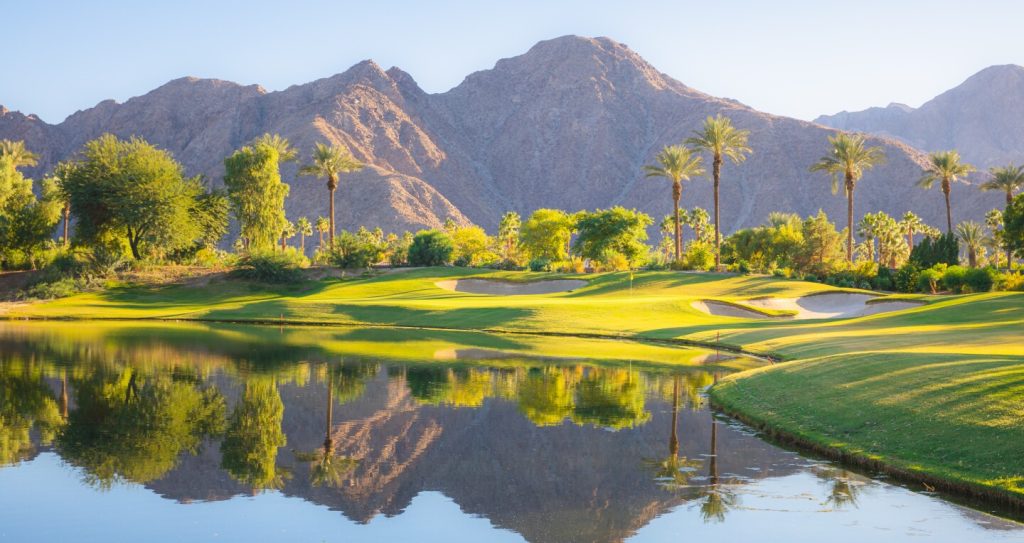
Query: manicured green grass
(936, 390)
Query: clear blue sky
(797, 58)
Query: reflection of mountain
(556, 483)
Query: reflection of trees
(133, 427)
(458, 387)
(610, 398)
(545, 396)
(718, 498)
(26, 402)
(672, 471)
(843, 488)
(249, 450)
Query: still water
(122, 432)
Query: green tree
(508, 236)
(722, 140)
(253, 436)
(256, 193)
(287, 233)
(944, 167)
(545, 396)
(546, 234)
(20, 156)
(322, 227)
(305, 228)
(611, 399)
(911, 223)
(1013, 226)
(973, 237)
(210, 212)
(849, 157)
(677, 163)
(1008, 179)
(430, 248)
(132, 191)
(329, 162)
(285, 151)
(469, 245)
(822, 249)
(616, 230)
(26, 222)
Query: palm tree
(61, 172)
(285, 151)
(720, 138)
(911, 223)
(20, 156)
(328, 163)
(305, 228)
(674, 472)
(287, 234)
(944, 166)
(1007, 179)
(326, 467)
(676, 163)
(322, 226)
(973, 236)
(849, 158)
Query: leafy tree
(356, 250)
(849, 157)
(944, 167)
(822, 248)
(60, 172)
(329, 162)
(1008, 179)
(253, 436)
(616, 230)
(676, 163)
(469, 245)
(722, 140)
(305, 228)
(508, 236)
(26, 222)
(546, 234)
(430, 248)
(210, 212)
(1013, 226)
(973, 237)
(942, 249)
(132, 191)
(996, 240)
(256, 193)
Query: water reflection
(553, 449)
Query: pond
(188, 432)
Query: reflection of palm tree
(673, 471)
(843, 491)
(718, 498)
(326, 467)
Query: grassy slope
(935, 390)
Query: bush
(907, 278)
(61, 288)
(954, 278)
(928, 281)
(979, 279)
(1010, 281)
(430, 248)
(944, 249)
(359, 250)
(540, 265)
(884, 280)
(272, 266)
(699, 256)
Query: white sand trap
(833, 305)
(721, 309)
(508, 288)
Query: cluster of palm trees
(849, 158)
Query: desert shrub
(1010, 281)
(430, 248)
(700, 256)
(272, 266)
(979, 279)
(540, 265)
(954, 278)
(907, 278)
(359, 250)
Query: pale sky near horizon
(790, 57)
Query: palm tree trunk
(67, 221)
(673, 440)
(949, 209)
(328, 442)
(1009, 253)
(676, 195)
(302, 242)
(332, 216)
(717, 173)
(849, 219)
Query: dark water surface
(145, 432)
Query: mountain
(568, 124)
(983, 118)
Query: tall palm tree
(722, 140)
(1008, 179)
(326, 467)
(305, 228)
(676, 163)
(850, 157)
(328, 163)
(944, 166)
(672, 471)
(61, 172)
(973, 237)
(20, 155)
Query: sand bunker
(833, 305)
(507, 288)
